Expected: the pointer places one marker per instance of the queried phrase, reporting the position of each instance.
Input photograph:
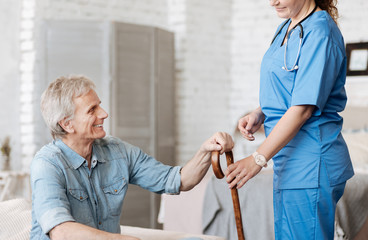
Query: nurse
(301, 93)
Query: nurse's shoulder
(321, 25)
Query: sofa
(15, 224)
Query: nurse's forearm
(285, 130)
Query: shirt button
(115, 190)
(94, 161)
(81, 198)
(99, 223)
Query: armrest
(152, 234)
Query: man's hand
(193, 172)
(220, 141)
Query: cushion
(357, 142)
(15, 219)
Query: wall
(152, 13)
(10, 11)
(203, 55)
(254, 24)
(353, 16)
(203, 72)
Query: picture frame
(357, 59)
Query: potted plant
(5, 152)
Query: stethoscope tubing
(295, 67)
(301, 35)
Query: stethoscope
(301, 34)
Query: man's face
(88, 117)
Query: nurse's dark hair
(330, 7)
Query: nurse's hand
(238, 173)
(250, 124)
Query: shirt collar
(97, 153)
(74, 158)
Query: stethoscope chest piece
(295, 66)
(289, 70)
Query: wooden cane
(215, 160)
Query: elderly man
(79, 181)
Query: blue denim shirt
(65, 189)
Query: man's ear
(66, 125)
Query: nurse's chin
(282, 14)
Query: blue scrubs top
(318, 81)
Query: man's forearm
(76, 231)
(193, 172)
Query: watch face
(260, 160)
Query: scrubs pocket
(283, 81)
(79, 206)
(115, 193)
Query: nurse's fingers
(239, 178)
(249, 128)
(241, 171)
(243, 125)
(231, 172)
(251, 121)
(248, 135)
(243, 181)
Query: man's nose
(274, 2)
(102, 113)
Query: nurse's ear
(67, 125)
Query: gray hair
(57, 101)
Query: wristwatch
(260, 159)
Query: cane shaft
(215, 160)
(236, 204)
(237, 212)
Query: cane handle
(216, 166)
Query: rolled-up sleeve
(148, 173)
(173, 181)
(50, 204)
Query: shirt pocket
(115, 193)
(79, 206)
